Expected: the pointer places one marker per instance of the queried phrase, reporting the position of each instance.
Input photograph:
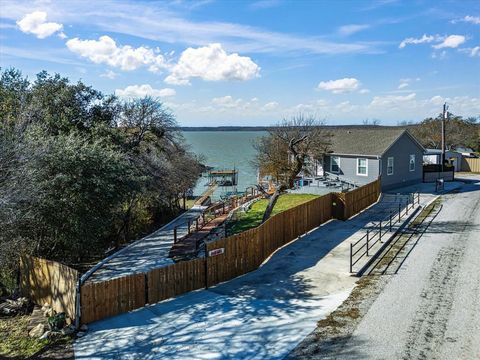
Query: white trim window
(362, 167)
(335, 164)
(411, 164)
(390, 166)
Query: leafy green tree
(81, 171)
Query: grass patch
(253, 217)
(190, 202)
(14, 339)
(425, 213)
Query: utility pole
(444, 117)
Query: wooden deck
(187, 246)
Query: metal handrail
(377, 229)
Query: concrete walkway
(147, 253)
(261, 315)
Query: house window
(412, 163)
(362, 168)
(390, 166)
(335, 164)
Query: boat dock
(227, 177)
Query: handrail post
(368, 232)
(408, 203)
(196, 223)
(351, 258)
(390, 220)
(399, 212)
(188, 226)
(380, 231)
(175, 235)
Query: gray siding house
(362, 155)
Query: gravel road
(428, 309)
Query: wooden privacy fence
(471, 164)
(357, 200)
(44, 281)
(235, 255)
(245, 251)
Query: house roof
(366, 141)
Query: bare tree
(372, 122)
(285, 151)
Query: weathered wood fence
(44, 281)
(238, 255)
(471, 164)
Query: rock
(45, 307)
(45, 335)
(80, 334)
(37, 331)
(69, 330)
(84, 328)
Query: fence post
(223, 207)
(196, 223)
(188, 225)
(368, 232)
(206, 266)
(390, 220)
(408, 203)
(174, 234)
(399, 212)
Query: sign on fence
(215, 252)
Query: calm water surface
(226, 150)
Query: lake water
(226, 150)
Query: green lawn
(253, 217)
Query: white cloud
(472, 52)
(403, 83)
(105, 51)
(451, 41)
(270, 106)
(352, 29)
(364, 91)
(469, 19)
(340, 86)
(424, 39)
(109, 74)
(211, 63)
(437, 100)
(144, 90)
(475, 51)
(227, 102)
(36, 23)
(391, 100)
(441, 55)
(346, 107)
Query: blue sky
(255, 62)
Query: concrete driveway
(261, 315)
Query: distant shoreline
(266, 128)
